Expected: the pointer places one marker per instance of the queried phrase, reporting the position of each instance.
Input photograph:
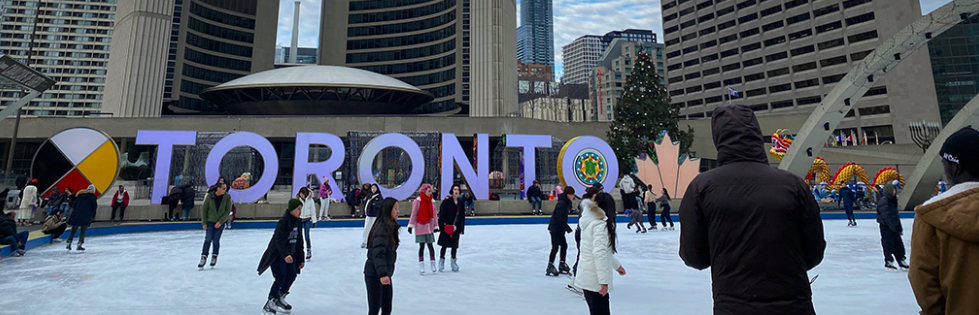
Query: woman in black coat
(82, 216)
(382, 253)
(452, 213)
(557, 228)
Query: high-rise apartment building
(535, 36)
(66, 40)
(610, 76)
(955, 62)
(632, 35)
(430, 44)
(579, 58)
(137, 59)
(304, 55)
(785, 56)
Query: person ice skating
(597, 252)
(424, 224)
(756, 227)
(119, 202)
(28, 202)
(635, 215)
(664, 203)
(214, 214)
(54, 225)
(534, 196)
(649, 198)
(627, 190)
(372, 204)
(308, 216)
(945, 238)
(9, 235)
(325, 192)
(285, 257)
(382, 254)
(85, 206)
(557, 228)
(891, 229)
(847, 197)
(452, 224)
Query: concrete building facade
(137, 59)
(580, 58)
(783, 57)
(535, 36)
(304, 55)
(612, 73)
(66, 40)
(632, 35)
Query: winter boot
(214, 260)
(889, 266)
(203, 262)
(421, 267)
(551, 271)
(441, 264)
(563, 268)
(903, 265)
(433, 265)
(455, 266)
(281, 302)
(269, 307)
(309, 253)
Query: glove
(409, 230)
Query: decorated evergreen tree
(642, 113)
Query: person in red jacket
(120, 201)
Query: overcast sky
(572, 19)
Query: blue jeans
(186, 213)
(470, 205)
(284, 274)
(849, 212)
(12, 240)
(535, 203)
(212, 235)
(307, 224)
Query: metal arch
(848, 91)
(920, 185)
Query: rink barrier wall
(147, 227)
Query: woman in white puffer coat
(597, 250)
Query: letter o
(400, 141)
(570, 152)
(213, 168)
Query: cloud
(309, 22)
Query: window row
(218, 46)
(221, 17)
(217, 31)
(403, 27)
(409, 67)
(401, 14)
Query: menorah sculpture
(923, 133)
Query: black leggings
(597, 304)
(379, 296)
(421, 251)
(558, 242)
(665, 216)
(442, 255)
(652, 214)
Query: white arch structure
(826, 117)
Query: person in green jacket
(217, 207)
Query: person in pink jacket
(325, 192)
(424, 222)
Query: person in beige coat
(27, 203)
(945, 238)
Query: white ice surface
(502, 272)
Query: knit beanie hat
(962, 148)
(293, 203)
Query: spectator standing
(28, 202)
(325, 192)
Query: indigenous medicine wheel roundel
(590, 167)
(76, 158)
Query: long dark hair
(667, 194)
(303, 191)
(378, 190)
(607, 204)
(390, 225)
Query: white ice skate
(455, 266)
(200, 266)
(283, 306)
(433, 265)
(421, 267)
(269, 308)
(441, 264)
(309, 253)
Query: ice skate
(653, 228)
(441, 264)
(433, 265)
(202, 263)
(281, 303)
(575, 290)
(551, 271)
(214, 260)
(563, 268)
(269, 308)
(80, 248)
(671, 228)
(903, 265)
(889, 266)
(309, 253)
(68, 246)
(18, 253)
(643, 231)
(455, 266)
(363, 245)
(421, 267)
(854, 223)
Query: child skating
(424, 224)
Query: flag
(733, 92)
(839, 138)
(854, 138)
(864, 140)
(876, 141)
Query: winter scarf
(426, 209)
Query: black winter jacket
(760, 247)
(372, 205)
(85, 205)
(381, 255)
(286, 240)
(847, 196)
(189, 194)
(8, 227)
(559, 218)
(534, 191)
(887, 213)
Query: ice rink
(502, 272)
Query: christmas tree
(642, 114)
